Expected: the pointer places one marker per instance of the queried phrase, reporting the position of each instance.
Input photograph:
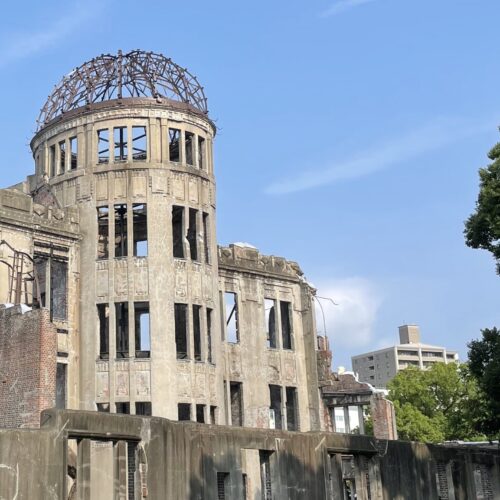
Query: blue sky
(350, 135)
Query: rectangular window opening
(143, 408)
(222, 485)
(121, 231)
(121, 313)
(201, 153)
(139, 143)
(103, 314)
(40, 291)
(189, 144)
(140, 223)
(286, 325)
(197, 332)
(178, 231)
(103, 146)
(59, 290)
(231, 304)
(192, 234)
(206, 238)
(52, 160)
(183, 411)
(292, 413)
(174, 138)
(102, 407)
(142, 334)
(236, 397)
(270, 318)
(102, 232)
(209, 335)
(200, 414)
(62, 157)
(121, 143)
(123, 408)
(213, 413)
(73, 149)
(265, 474)
(61, 378)
(181, 332)
(275, 407)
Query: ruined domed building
(118, 300)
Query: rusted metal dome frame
(135, 74)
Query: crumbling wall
(28, 360)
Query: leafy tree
(438, 404)
(484, 364)
(482, 228)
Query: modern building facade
(379, 367)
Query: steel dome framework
(135, 74)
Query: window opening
(140, 223)
(236, 403)
(209, 335)
(61, 377)
(348, 477)
(189, 143)
(275, 407)
(131, 469)
(58, 289)
(41, 264)
(213, 410)
(103, 314)
(292, 414)
(121, 312)
(103, 146)
(201, 152)
(286, 326)
(174, 136)
(73, 149)
(52, 159)
(102, 407)
(183, 411)
(181, 341)
(197, 332)
(200, 414)
(142, 334)
(206, 238)
(222, 485)
(270, 315)
(121, 231)
(139, 143)
(62, 157)
(121, 146)
(102, 232)
(231, 304)
(178, 231)
(143, 408)
(123, 408)
(192, 234)
(265, 474)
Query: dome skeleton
(136, 74)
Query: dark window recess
(121, 144)
(174, 138)
(103, 146)
(139, 143)
(189, 144)
(286, 325)
(40, 292)
(183, 411)
(236, 403)
(270, 315)
(131, 449)
(143, 408)
(348, 477)
(178, 231)
(222, 485)
(61, 376)
(192, 235)
(201, 153)
(103, 314)
(292, 414)
(102, 407)
(181, 337)
(265, 474)
(197, 332)
(206, 238)
(231, 304)
(140, 223)
(102, 232)
(200, 414)
(275, 406)
(121, 317)
(59, 289)
(62, 157)
(213, 410)
(73, 149)
(209, 335)
(121, 231)
(123, 408)
(52, 160)
(142, 333)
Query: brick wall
(28, 360)
(384, 418)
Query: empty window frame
(103, 407)
(286, 325)
(270, 320)
(222, 485)
(231, 319)
(58, 289)
(200, 414)
(183, 411)
(102, 232)
(140, 224)
(121, 319)
(123, 408)
(139, 143)
(61, 377)
(236, 397)
(197, 332)
(174, 139)
(103, 315)
(121, 230)
(209, 335)
(103, 146)
(178, 231)
(206, 238)
(265, 474)
(52, 160)
(41, 267)
(188, 147)
(292, 410)
(201, 153)
(120, 143)
(142, 333)
(62, 157)
(143, 408)
(192, 234)
(181, 331)
(275, 407)
(213, 415)
(73, 150)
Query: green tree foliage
(439, 404)
(484, 364)
(482, 228)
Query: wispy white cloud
(430, 137)
(343, 5)
(16, 46)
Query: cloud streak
(430, 137)
(342, 6)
